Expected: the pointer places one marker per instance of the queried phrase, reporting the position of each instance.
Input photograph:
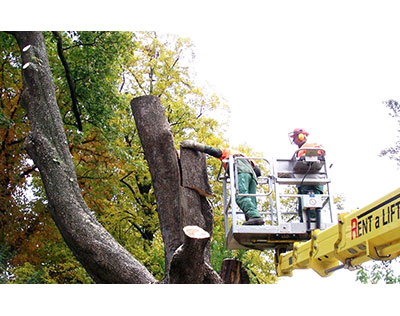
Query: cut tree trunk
(181, 187)
(161, 155)
(189, 257)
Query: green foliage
(5, 254)
(95, 60)
(394, 151)
(18, 219)
(108, 69)
(379, 271)
(27, 274)
(260, 266)
(383, 271)
(4, 122)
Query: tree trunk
(161, 155)
(178, 206)
(186, 218)
(232, 272)
(104, 259)
(189, 257)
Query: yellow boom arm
(372, 232)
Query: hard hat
(298, 131)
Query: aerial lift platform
(372, 232)
(282, 226)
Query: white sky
(323, 66)
(326, 66)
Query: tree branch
(70, 81)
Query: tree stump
(189, 257)
(232, 272)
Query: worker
(247, 179)
(299, 137)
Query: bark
(193, 175)
(232, 272)
(189, 257)
(196, 209)
(186, 218)
(190, 262)
(104, 259)
(178, 206)
(161, 155)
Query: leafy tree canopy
(96, 75)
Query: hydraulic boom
(372, 232)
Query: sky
(326, 66)
(321, 65)
(327, 69)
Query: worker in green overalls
(247, 179)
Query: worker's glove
(192, 145)
(257, 171)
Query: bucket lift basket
(275, 194)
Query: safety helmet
(301, 132)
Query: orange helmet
(296, 132)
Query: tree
(378, 271)
(47, 147)
(20, 219)
(394, 151)
(103, 258)
(383, 270)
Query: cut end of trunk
(195, 232)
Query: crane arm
(372, 232)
